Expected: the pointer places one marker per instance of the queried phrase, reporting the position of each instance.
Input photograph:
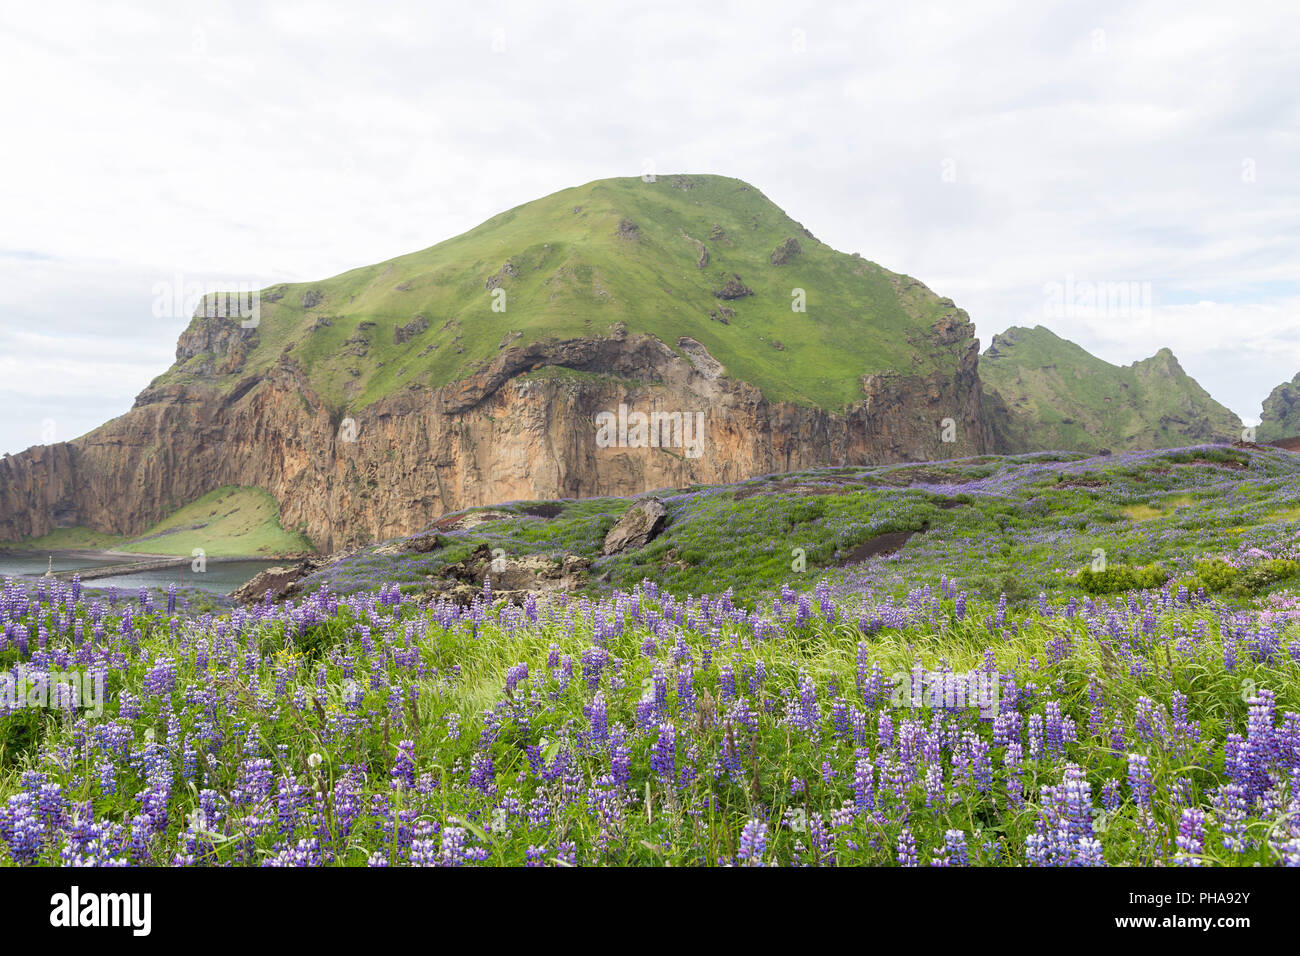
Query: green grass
(1142, 512)
(1020, 525)
(229, 522)
(577, 277)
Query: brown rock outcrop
(637, 527)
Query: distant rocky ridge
(1280, 416)
(1044, 392)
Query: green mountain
(705, 257)
(474, 372)
(1281, 415)
(1043, 392)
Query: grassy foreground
(1071, 661)
(1155, 728)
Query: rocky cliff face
(511, 431)
(1280, 417)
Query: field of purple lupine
(884, 713)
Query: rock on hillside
(637, 527)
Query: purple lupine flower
(1006, 728)
(954, 842)
(403, 772)
(21, 827)
(1078, 809)
(874, 694)
(858, 722)
(1013, 769)
(686, 691)
(1110, 795)
(1191, 837)
(1090, 853)
(981, 763)
(935, 786)
(594, 660)
(1230, 807)
(1118, 741)
(598, 716)
(884, 731)
(1097, 698)
(1260, 751)
(823, 592)
(515, 676)
(1139, 779)
(663, 759)
(753, 842)
(864, 785)
(808, 715)
(1150, 721)
(1054, 735)
(1063, 829)
(482, 773)
(906, 853)
(840, 718)
(726, 684)
(1036, 744)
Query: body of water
(221, 577)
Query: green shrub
(1215, 575)
(1121, 577)
(1264, 575)
(1017, 588)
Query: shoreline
(95, 554)
(110, 563)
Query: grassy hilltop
(653, 256)
(1044, 392)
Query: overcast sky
(991, 150)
